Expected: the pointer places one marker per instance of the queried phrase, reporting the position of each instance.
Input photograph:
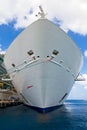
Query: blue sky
(81, 42)
(16, 15)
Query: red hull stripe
(29, 86)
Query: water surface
(71, 116)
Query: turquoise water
(71, 116)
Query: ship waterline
(43, 63)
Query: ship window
(55, 52)
(30, 52)
(63, 97)
(38, 56)
(13, 64)
(61, 61)
(47, 56)
(25, 61)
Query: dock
(8, 93)
(8, 103)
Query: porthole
(13, 64)
(38, 56)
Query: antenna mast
(41, 13)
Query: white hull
(42, 81)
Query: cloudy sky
(70, 15)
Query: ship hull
(42, 78)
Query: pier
(8, 103)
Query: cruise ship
(43, 63)
(2, 72)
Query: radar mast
(41, 13)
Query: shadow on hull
(44, 110)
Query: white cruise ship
(43, 63)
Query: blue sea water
(71, 116)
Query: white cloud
(85, 87)
(2, 51)
(85, 82)
(82, 83)
(71, 13)
(79, 89)
(85, 53)
(18, 10)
